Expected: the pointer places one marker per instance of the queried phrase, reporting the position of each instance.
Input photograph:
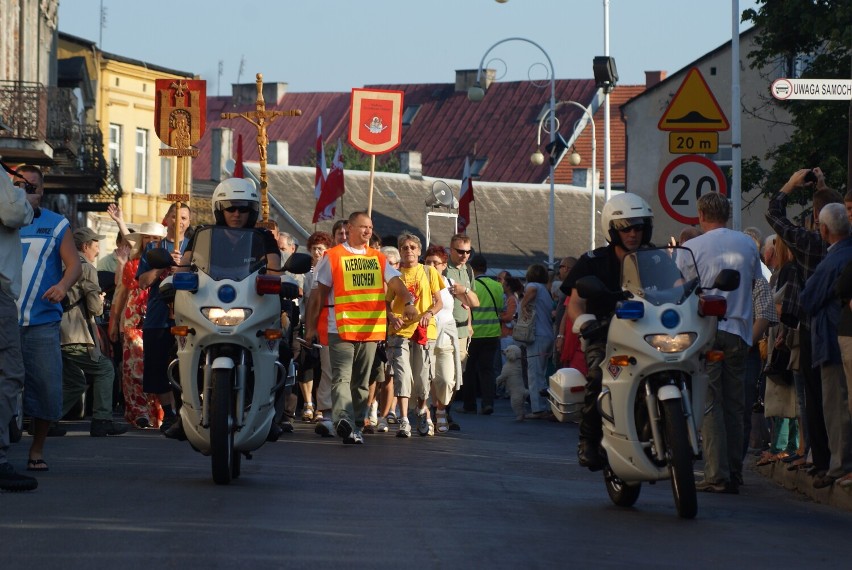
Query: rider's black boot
(589, 455)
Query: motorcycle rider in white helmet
(235, 205)
(627, 222)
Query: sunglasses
(462, 251)
(636, 228)
(240, 209)
(409, 248)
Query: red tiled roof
(446, 129)
(617, 137)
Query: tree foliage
(813, 37)
(354, 159)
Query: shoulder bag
(524, 329)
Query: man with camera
(808, 249)
(15, 213)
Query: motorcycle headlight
(223, 318)
(668, 343)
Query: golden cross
(261, 118)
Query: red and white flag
(333, 187)
(465, 197)
(319, 180)
(238, 163)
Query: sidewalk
(800, 482)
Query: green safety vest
(486, 317)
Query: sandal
(769, 458)
(37, 465)
(308, 413)
(441, 423)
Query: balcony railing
(23, 105)
(64, 129)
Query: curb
(800, 482)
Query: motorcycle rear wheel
(621, 494)
(679, 455)
(221, 430)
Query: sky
(335, 45)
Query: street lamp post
(476, 93)
(538, 158)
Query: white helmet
(623, 211)
(236, 192)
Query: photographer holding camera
(808, 249)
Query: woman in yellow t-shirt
(410, 342)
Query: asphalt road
(496, 495)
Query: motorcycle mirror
(159, 258)
(297, 264)
(727, 280)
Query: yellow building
(124, 111)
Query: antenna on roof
(103, 14)
(219, 77)
(239, 75)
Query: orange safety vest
(358, 284)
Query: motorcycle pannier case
(565, 392)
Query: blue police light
(632, 310)
(227, 293)
(185, 281)
(670, 318)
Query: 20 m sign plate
(683, 181)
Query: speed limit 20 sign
(683, 181)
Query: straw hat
(147, 229)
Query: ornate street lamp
(476, 93)
(574, 158)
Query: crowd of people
(400, 337)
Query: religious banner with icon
(180, 112)
(375, 126)
(375, 120)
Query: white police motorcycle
(228, 327)
(654, 390)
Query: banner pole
(372, 177)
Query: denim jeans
(43, 377)
(723, 425)
(538, 355)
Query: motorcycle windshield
(660, 275)
(228, 253)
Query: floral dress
(137, 404)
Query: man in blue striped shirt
(47, 247)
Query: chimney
(410, 163)
(221, 146)
(246, 93)
(582, 176)
(466, 78)
(278, 153)
(653, 77)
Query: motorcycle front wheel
(679, 455)
(221, 431)
(620, 493)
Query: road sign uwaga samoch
(694, 118)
